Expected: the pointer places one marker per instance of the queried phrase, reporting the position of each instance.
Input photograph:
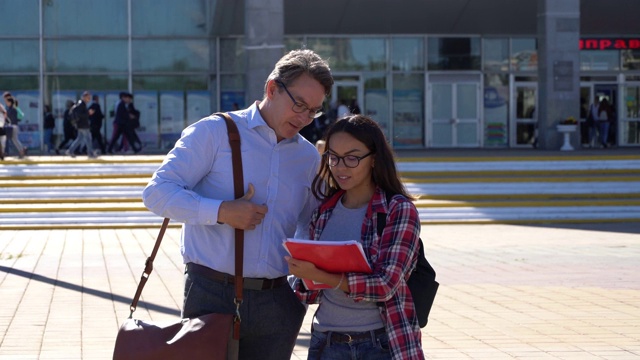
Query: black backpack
(422, 281)
(73, 115)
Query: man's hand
(242, 213)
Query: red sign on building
(609, 44)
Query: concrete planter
(566, 130)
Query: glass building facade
(426, 90)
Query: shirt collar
(255, 119)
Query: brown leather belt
(346, 338)
(248, 283)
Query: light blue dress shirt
(196, 176)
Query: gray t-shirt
(338, 312)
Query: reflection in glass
(467, 133)
(495, 54)
(454, 53)
(596, 60)
(170, 17)
(19, 55)
(85, 56)
(170, 83)
(496, 109)
(376, 100)
(632, 101)
(525, 133)
(407, 54)
(351, 54)
(232, 92)
(408, 105)
(170, 55)
(85, 82)
(630, 59)
(87, 17)
(442, 135)
(293, 43)
(524, 54)
(630, 120)
(231, 55)
(467, 101)
(442, 101)
(11, 25)
(525, 102)
(12, 83)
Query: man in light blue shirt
(194, 185)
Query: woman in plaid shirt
(364, 316)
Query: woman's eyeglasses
(349, 161)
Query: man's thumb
(249, 194)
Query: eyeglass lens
(349, 160)
(300, 107)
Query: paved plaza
(507, 291)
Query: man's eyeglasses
(349, 161)
(299, 107)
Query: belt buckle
(350, 339)
(252, 284)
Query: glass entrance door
(454, 119)
(524, 118)
(348, 93)
(629, 129)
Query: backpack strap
(382, 222)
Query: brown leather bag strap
(148, 267)
(238, 187)
(238, 190)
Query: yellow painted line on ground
(174, 225)
(63, 183)
(106, 159)
(72, 177)
(528, 221)
(106, 207)
(546, 203)
(86, 226)
(516, 173)
(515, 179)
(463, 197)
(69, 201)
(523, 158)
(138, 206)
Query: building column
(558, 70)
(263, 43)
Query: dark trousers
(271, 319)
(69, 136)
(127, 132)
(97, 137)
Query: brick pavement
(507, 291)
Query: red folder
(331, 256)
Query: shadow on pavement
(94, 292)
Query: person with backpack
(13, 130)
(367, 315)
(80, 113)
(69, 130)
(95, 122)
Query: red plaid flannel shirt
(392, 257)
